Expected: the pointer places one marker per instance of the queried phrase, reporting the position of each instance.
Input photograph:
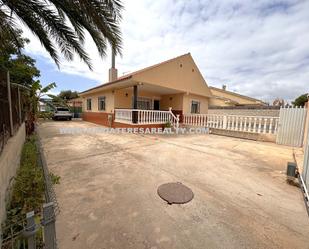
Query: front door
(156, 104)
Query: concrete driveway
(108, 191)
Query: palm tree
(61, 24)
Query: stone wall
(246, 112)
(9, 163)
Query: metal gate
(305, 173)
(291, 126)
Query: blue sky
(49, 73)
(258, 48)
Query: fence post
(224, 121)
(10, 102)
(49, 226)
(19, 105)
(177, 120)
(31, 230)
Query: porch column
(135, 113)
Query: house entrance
(156, 104)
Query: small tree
(21, 67)
(68, 94)
(301, 100)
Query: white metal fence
(305, 173)
(291, 126)
(253, 124)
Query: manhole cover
(175, 193)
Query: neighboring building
(75, 106)
(144, 97)
(45, 105)
(42, 106)
(223, 97)
(76, 102)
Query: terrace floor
(108, 191)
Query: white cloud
(258, 48)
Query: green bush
(168, 125)
(55, 179)
(27, 193)
(29, 186)
(45, 115)
(75, 109)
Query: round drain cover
(175, 192)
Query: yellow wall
(109, 101)
(172, 100)
(220, 102)
(225, 94)
(187, 99)
(118, 99)
(169, 100)
(181, 74)
(123, 101)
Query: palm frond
(9, 33)
(61, 24)
(48, 87)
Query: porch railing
(146, 117)
(253, 124)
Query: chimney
(112, 72)
(224, 87)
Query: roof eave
(101, 87)
(235, 94)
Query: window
(195, 107)
(143, 103)
(62, 109)
(88, 104)
(101, 103)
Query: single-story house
(149, 97)
(223, 97)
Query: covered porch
(143, 103)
